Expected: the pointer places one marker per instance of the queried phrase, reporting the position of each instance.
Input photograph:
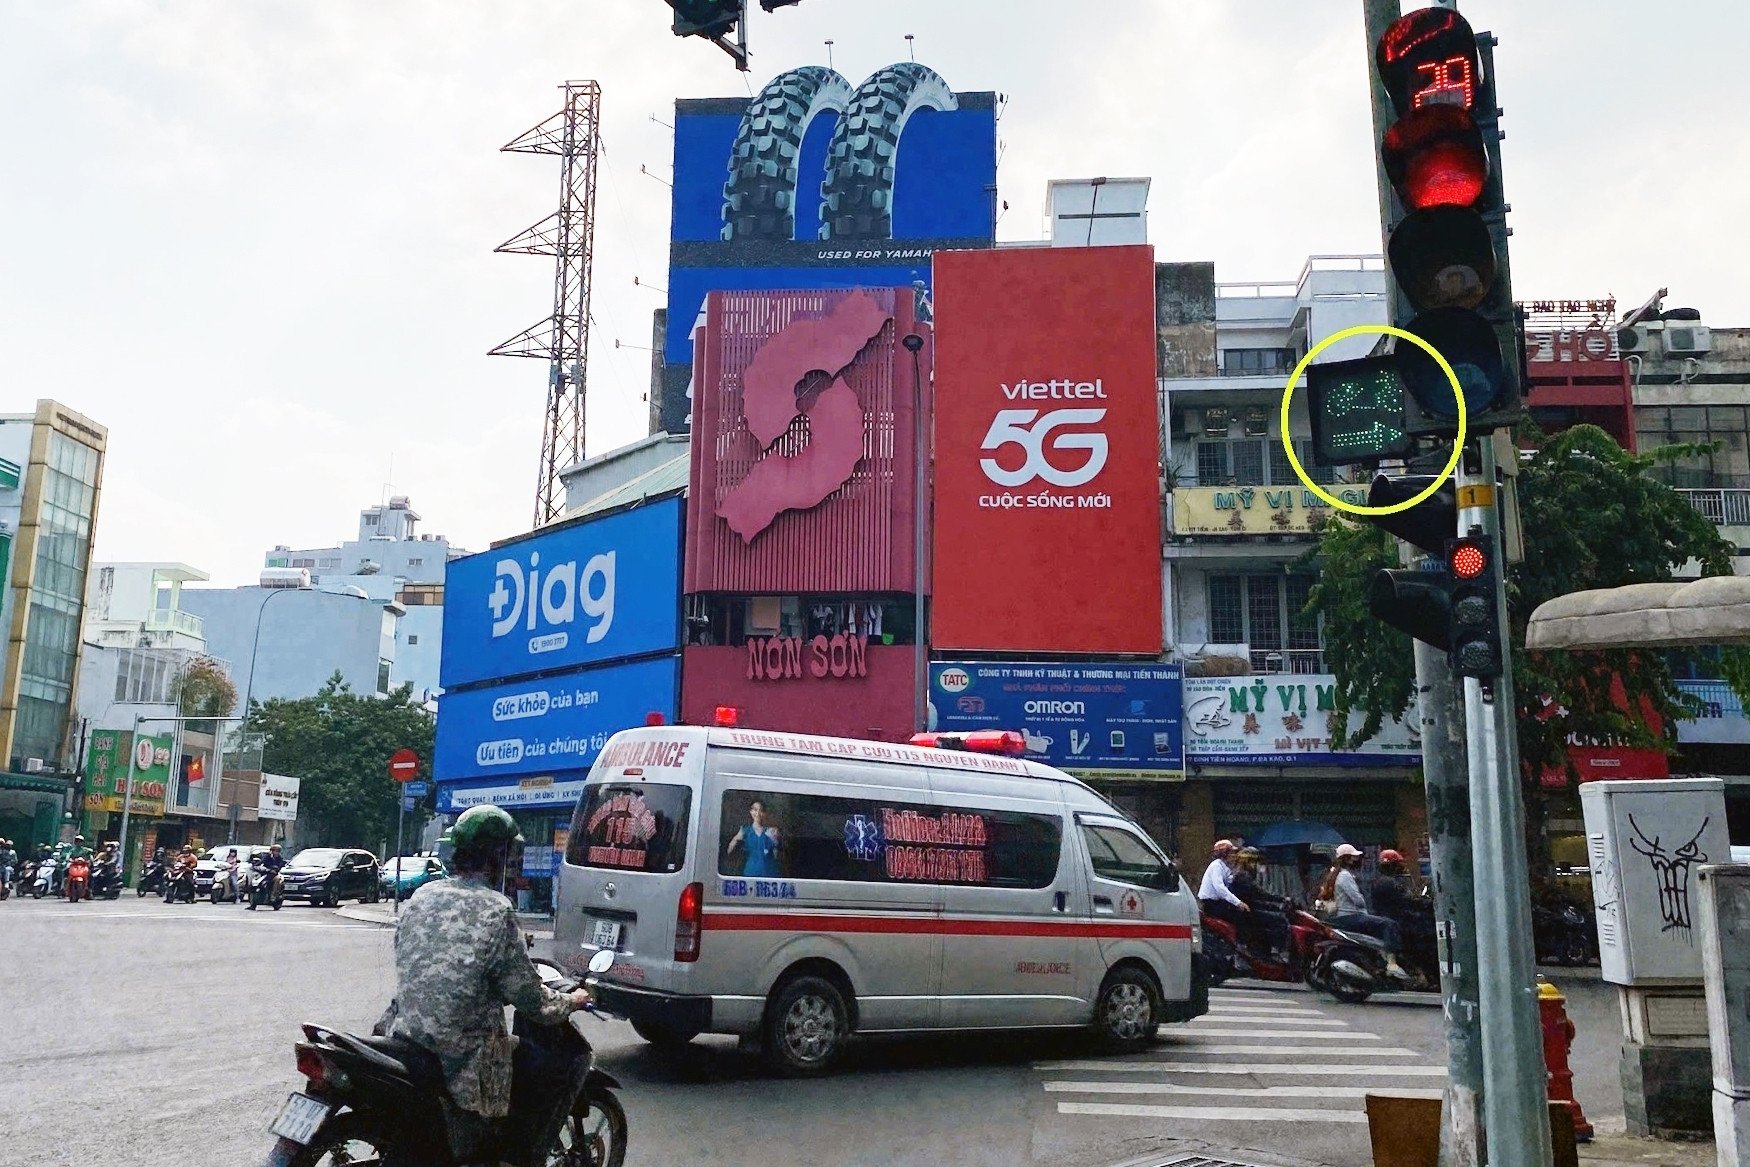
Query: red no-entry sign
(403, 765)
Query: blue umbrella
(1297, 833)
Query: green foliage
(205, 689)
(1594, 517)
(338, 742)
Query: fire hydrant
(1558, 1037)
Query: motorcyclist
(1395, 898)
(8, 863)
(1267, 913)
(181, 874)
(232, 864)
(1351, 911)
(261, 890)
(1214, 893)
(78, 850)
(459, 959)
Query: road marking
(1213, 1113)
(1328, 1070)
(1373, 1051)
(1231, 1091)
(71, 913)
(1267, 1010)
(1346, 1036)
(1308, 1020)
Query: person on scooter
(1266, 912)
(232, 867)
(459, 959)
(1351, 911)
(78, 850)
(8, 862)
(180, 879)
(1215, 894)
(267, 873)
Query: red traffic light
(1435, 158)
(1429, 58)
(1466, 559)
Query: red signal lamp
(1466, 559)
(726, 716)
(1435, 157)
(1007, 742)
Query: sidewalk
(1625, 1150)
(383, 915)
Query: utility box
(1646, 842)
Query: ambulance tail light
(982, 741)
(689, 923)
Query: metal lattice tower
(562, 339)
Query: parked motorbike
(46, 879)
(77, 885)
(367, 1099)
(151, 879)
(1564, 935)
(180, 886)
(1325, 958)
(106, 880)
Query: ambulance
(796, 890)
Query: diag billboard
(549, 724)
(1106, 718)
(1047, 457)
(582, 594)
(819, 182)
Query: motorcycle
(106, 880)
(228, 886)
(77, 885)
(180, 886)
(46, 879)
(1324, 957)
(257, 887)
(1564, 935)
(151, 879)
(370, 1099)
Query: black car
(327, 875)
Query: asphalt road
(140, 1032)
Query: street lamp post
(914, 343)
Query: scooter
(106, 880)
(151, 879)
(371, 1098)
(45, 881)
(228, 886)
(259, 890)
(77, 885)
(1327, 959)
(180, 886)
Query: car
(212, 860)
(327, 875)
(411, 873)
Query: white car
(212, 861)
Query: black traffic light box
(1475, 643)
(707, 18)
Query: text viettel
(1063, 389)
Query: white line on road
(1310, 1019)
(1213, 1113)
(1346, 1036)
(1268, 1010)
(1327, 1070)
(1373, 1051)
(1231, 1091)
(70, 913)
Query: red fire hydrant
(1558, 1036)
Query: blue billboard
(596, 591)
(1105, 718)
(552, 724)
(819, 183)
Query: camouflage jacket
(459, 959)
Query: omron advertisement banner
(1105, 719)
(1047, 459)
(583, 594)
(1283, 721)
(554, 723)
(788, 190)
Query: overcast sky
(254, 237)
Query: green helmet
(484, 826)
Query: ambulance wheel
(1128, 1011)
(806, 1024)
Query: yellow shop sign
(1255, 510)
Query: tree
(204, 689)
(1594, 516)
(338, 742)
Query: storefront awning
(47, 783)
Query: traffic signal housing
(707, 18)
(1448, 246)
(1357, 411)
(1475, 645)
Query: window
(868, 840)
(1237, 362)
(735, 621)
(145, 677)
(1267, 612)
(1729, 466)
(412, 639)
(1119, 855)
(416, 562)
(1243, 462)
(303, 563)
(637, 827)
(383, 668)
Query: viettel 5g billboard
(1047, 502)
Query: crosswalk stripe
(1382, 1051)
(1213, 1113)
(1311, 1020)
(1232, 1091)
(1328, 1070)
(1266, 1010)
(1348, 1036)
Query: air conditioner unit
(1687, 340)
(1216, 422)
(33, 766)
(1637, 339)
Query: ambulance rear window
(631, 826)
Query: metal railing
(173, 620)
(1728, 507)
(1299, 661)
(1717, 698)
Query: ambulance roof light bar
(982, 741)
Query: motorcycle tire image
(759, 200)
(1329, 982)
(594, 1135)
(351, 1138)
(1218, 958)
(862, 158)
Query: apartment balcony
(1298, 661)
(173, 620)
(1725, 506)
(1722, 719)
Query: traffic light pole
(1515, 1106)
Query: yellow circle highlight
(1457, 393)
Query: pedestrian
(1349, 910)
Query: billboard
(1106, 719)
(112, 757)
(789, 190)
(279, 797)
(553, 723)
(777, 515)
(1283, 720)
(1047, 455)
(579, 595)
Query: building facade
(51, 477)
